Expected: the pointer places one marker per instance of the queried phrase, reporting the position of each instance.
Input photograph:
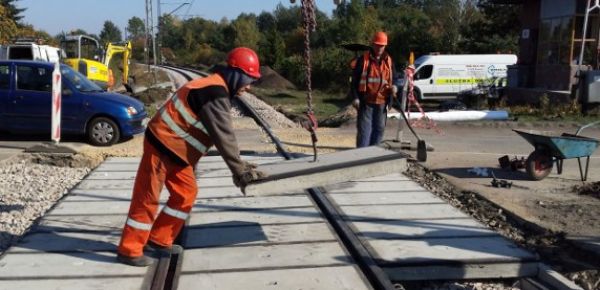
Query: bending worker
(371, 88)
(194, 119)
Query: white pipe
(452, 116)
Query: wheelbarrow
(550, 149)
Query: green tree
(496, 30)
(110, 33)
(11, 11)
(135, 28)
(8, 27)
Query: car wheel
(102, 131)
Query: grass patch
(293, 102)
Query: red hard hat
(380, 38)
(245, 59)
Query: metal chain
(310, 24)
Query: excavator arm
(114, 48)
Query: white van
(443, 76)
(30, 51)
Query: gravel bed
(27, 190)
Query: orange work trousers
(157, 169)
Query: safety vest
(375, 78)
(179, 128)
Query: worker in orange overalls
(371, 89)
(183, 130)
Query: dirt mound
(591, 189)
(272, 80)
(343, 116)
(154, 95)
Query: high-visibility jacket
(376, 78)
(177, 126)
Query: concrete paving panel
(268, 216)
(409, 197)
(234, 259)
(448, 250)
(340, 278)
(252, 203)
(421, 229)
(253, 233)
(94, 195)
(463, 272)
(402, 212)
(63, 265)
(328, 169)
(84, 222)
(99, 207)
(95, 283)
(68, 241)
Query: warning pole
(56, 102)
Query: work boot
(141, 261)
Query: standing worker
(371, 88)
(194, 119)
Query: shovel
(421, 146)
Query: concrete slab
(264, 217)
(235, 234)
(83, 222)
(328, 169)
(463, 258)
(383, 198)
(256, 258)
(339, 277)
(402, 212)
(77, 267)
(421, 229)
(255, 203)
(79, 283)
(68, 242)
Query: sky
(56, 16)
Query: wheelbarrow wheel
(538, 165)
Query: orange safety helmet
(245, 59)
(380, 38)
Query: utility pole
(147, 33)
(159, 35)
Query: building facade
(550, 43)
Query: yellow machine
(85, 55)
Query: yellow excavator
(83, 53)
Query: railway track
(378, 233)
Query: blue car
(25, 104)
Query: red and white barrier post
(56, 102)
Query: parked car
(25, 104)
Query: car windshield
(80, 82)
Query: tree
(110, 33)
(11, 11)
(135, 28)
(246, 31)
(8, 27)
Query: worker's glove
(394, 90)
(356, 103)
(248, 165)
(245, 177)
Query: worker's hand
(245, 177)
(249, 165)
(356, 103)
